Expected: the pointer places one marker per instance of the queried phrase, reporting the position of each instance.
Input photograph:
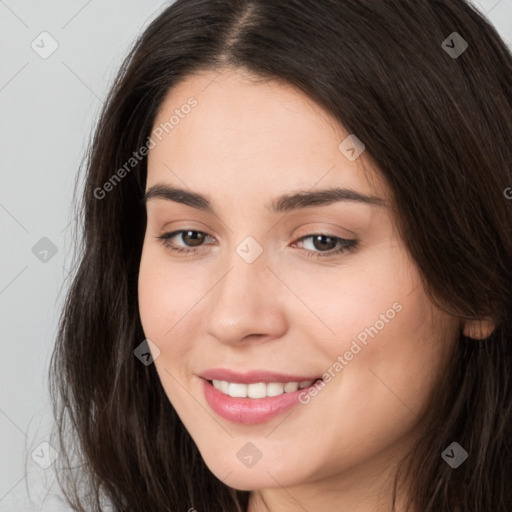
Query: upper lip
(252, 376)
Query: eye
(194, 237)
(324, 245)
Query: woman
(294, 284)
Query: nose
(246, 303)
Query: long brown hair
(436, 123)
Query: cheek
(392, 375)
(162, 302)
(360, 301)
(153, 302)
(162, 294)
(391, 343)
(170, 311)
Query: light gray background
(48, 108)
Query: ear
(478, 329)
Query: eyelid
(186, 225)
(317, 228)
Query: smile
(253, 403)
(259, 389)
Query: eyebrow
(283, 203)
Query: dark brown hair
(437, 126)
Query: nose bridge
(243, 302)
(247, 268)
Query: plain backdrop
(57, 61)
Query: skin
(245, 143)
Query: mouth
(256, 402)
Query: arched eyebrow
(281, 204)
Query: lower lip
(249, 411)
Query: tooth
(305, 384)
(290, 387)
(258, 390)
(237, 390)
(217, 384)
(275, 388)
(221, 385)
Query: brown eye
(322, 245)
(189, 237)
(192, 238)
(324, 242)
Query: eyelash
(346, 245)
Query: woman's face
(264, 296)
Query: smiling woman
(299, 297)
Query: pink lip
(252, 377)
(249, 411)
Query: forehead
(251, 133)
